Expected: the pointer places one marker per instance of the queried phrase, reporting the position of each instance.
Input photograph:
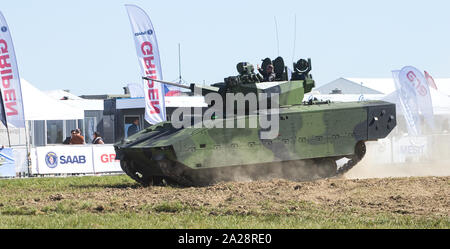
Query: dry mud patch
(416, 196)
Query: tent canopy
(60, 94)
(387, 85)
(440, 101)
(40, 106)
(75, 101)
(342, 97)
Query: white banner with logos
(410, 149)
(74, 159)
(104, 158)
(149, 61)
(67, 159)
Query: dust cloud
(366, 169)
(436, 162)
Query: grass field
(118, 202)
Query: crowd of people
(77, 138)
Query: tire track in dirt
(417, 196)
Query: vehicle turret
(290, 86)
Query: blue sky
(87, 46)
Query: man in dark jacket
(268, 74)
(134, 128)
(67, 140)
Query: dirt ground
(417, 196)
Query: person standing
(77, 138)
(134, 128)
(67, 140)
(268, 74)
(97, 138)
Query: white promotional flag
(148, 56)
(408, 102)
(415, 78)
(9, 73)
(136, 90)
(430, 80)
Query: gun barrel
(167, 82)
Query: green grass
(202, 220)
(18, 210)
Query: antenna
(295, 37)
(276, 31)
(180, 80)
(179, 64)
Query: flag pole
(27, 145)
(179, 64)
(9, 138)
(4, 118)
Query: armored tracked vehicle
(310, 138)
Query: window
(89, 128)
(80, 125)
(54, 131)
(39, 133)
(70, 126)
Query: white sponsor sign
(66, 159)
(104, 159)
(410, 149)
(148, 56)
(9, 73)
(74, 159)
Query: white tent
(443, 85)
(387, 85)
(61, 94)
(440, 101)
(383, 85)
(171, 101)
(342, 97)
(40, 106)
(75, 101)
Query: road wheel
(360, 150)
(128, 168)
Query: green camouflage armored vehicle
(308, 139)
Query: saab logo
(148, 32)
(108, 158)
(74, 159)
(51, 160)
(4, 29)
